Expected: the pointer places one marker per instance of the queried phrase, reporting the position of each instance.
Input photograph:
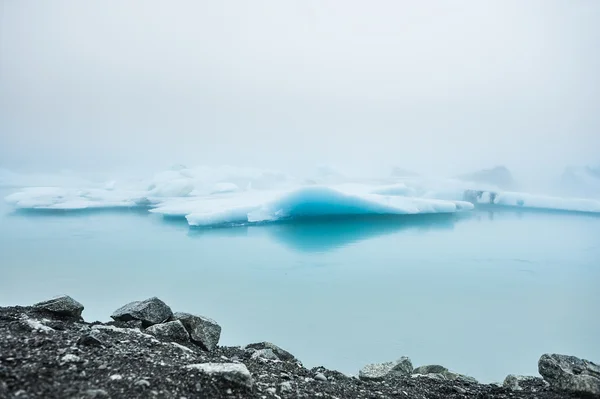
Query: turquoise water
(484, 293)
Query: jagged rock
(281, 353)
(172, 330)
(263, 354)
(519, 382)
(379, 371)
(430, 369)
(403, 366)
(444, 372)
(570, 373)
(93, 338)
(202, 330)
(150, 311)
(138, 324)
(236, 373)
(62, 306)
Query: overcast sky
(443, 86)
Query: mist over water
(435, 88)
(355, 182)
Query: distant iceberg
(229, 196)
(498, 176)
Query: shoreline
(47, 350)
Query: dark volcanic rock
(236, 373)
(570, 373)
(437, 371)
(430, 369)
(61, 306)
(282, 354)
(151, 311)
(93, 338)
(172, 330)
(45, 362)
(520, 382)
(202, 330)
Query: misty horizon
(441, 89)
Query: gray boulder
(444, 372)
(281, 353)
(403, 366)
(62, 306)
(172, 330)
(202, 330)
(151, 311)
(263, 354)
(92, 338)
(379, 371)
(430, 369)
(235, 373)
(569, 373)
(520, 382)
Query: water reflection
(327, 234)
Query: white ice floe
(313, 201)
(228, 196)
(533, 201)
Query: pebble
(69, 358)
(286, 386)
(142, 383)
(96, 393)
(320, 377)
(116, 377)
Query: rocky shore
(48, 351)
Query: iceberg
(54, 198)
(315, 201)
(540, 202)
(231, 196)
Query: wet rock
(62, 306)
(379, 371)
(570, 373)
(172, 331)
(201, 329)
(520, 382)
(236, 373)
(150, 311)
(281, 353)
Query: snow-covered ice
(227, 195)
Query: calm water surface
(484, 294)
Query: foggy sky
(439, 86)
